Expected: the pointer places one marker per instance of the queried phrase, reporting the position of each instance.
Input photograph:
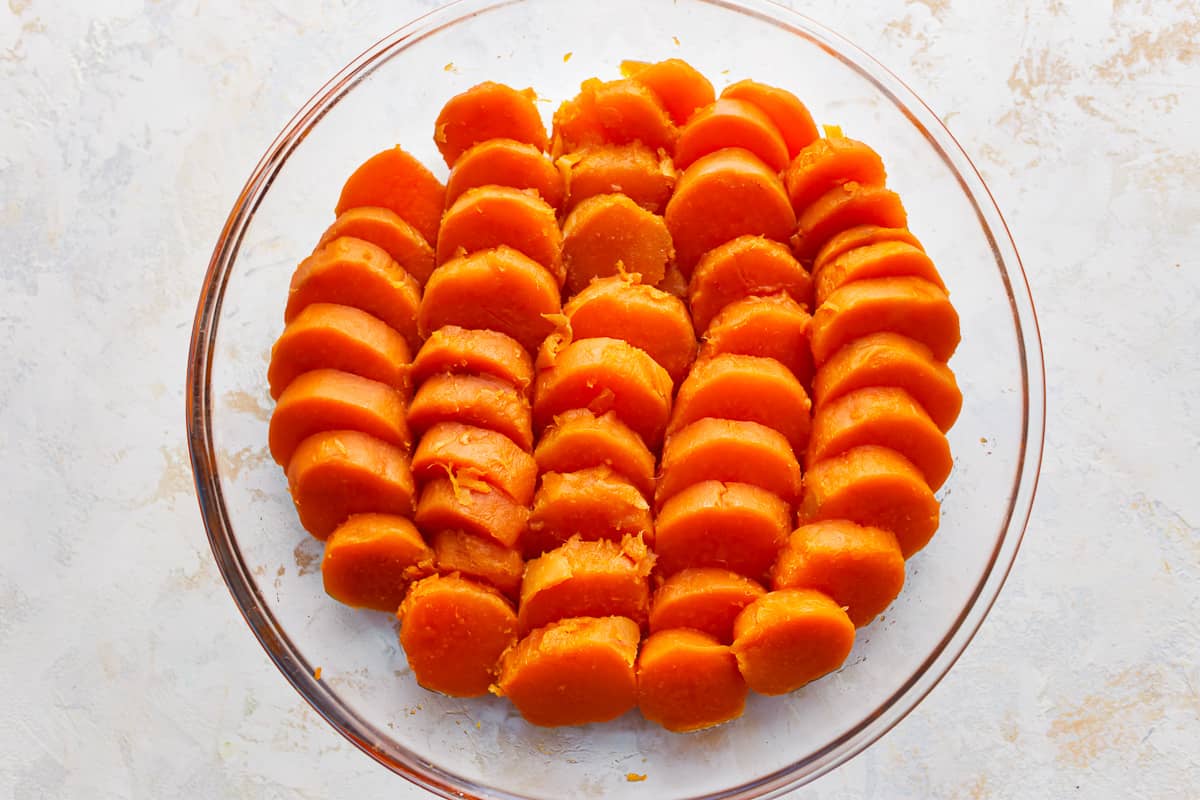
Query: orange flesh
(860, 568)
(730, 122)
(451, 447)
(394, 180)
(644, 176)
(774, 326)
(826, 164)
(478, 400)
(861, 236)
(613, 112)
(335, 474)
(593, 504)
(609, 234)
(454, 632)
(500, 290)
(843, 207)
(579, 439)
(706, 599)
(328, 336)
(731, 451)
(784, 108)
(648, 318)
(680, 87)
(387, 231)
(749, 266)
(876, 487)
(790, 637)
(460, 502)
(734, 526)
(480, 559)
(880, 260)
(506, 162)
(587, 579)
(487, 111)
(489, 216)
(354, 273)
(688, 681)
(473, 352)
(371, 559)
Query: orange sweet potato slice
(885, 416)
(748, 266)
(579, 439)
(790, 637)
(473, 352)
(506, 162)
(827, 164)
(774, 326)
(479, 400)
(913, 307)
(383, 228)
(730, 122)
(593, 504)
(608, 234)
(452, 447)
(644, 176)
(731, 451)
(648, 318)
(490, 216)
(330, 400)
(477, 558)
(790, 115)
(351, 272)
(394, 180)
(876, 487)
(722, 196)
(679, 85)
(860, 568)
(706, 599)
(465, 503)
(335, 474)
(328, 336)
(688, 681)
(880, 260)
(733, 526)
(487, 111)
(602, 375)
(581, 578)
(612, 112)
(454, 632)
(861, 236)
(889, 359)
(500, 290)
(842, 207)
(573, 672)
(371, 559)
(747, 388)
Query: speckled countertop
(130, 126)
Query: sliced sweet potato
(827, 164)
(679, 85)
(593, 504)
(394, 180)
(478, 558)
(730, 122)
(383, 228)
(880, 260)
(609, 234)
(489, 216)
(371, 559)
(479, 400)
(846, 206)
(731, 451)
(473, 352)
(487, 111)
(643, 175)
(784, 108)
(506, 162)
(452, 447)
(465, 503)
(861, 236)
(688, 681)
(612, 112)
(579, 439)
(774, 326)
(706, 599)
(748, 266)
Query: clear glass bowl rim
(273, 638)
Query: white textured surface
(130, 127)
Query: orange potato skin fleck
(648, 318)
(644, 176)
(885, 416)
(327, 400)
(861, 236)
(790, 115)
(790, 637)
(370, 560)
(602, 375)
(913, 307)
(394, 180)
(876, 487)
(826, 164)
(722, 196)
(595, 503)
(328, 336)
(889, 359)
(454, 632)
(610, 233)
(458, 503)
(733, 526)
(489, 216)
(335, 474)
(579, 439)
(478, 400)
(573, 672)
(706, 599)
(450, 447)
(747, 388)
(351, 272)
(860, 568)
(580, 578)
(473, 352)
(843, 207)
(506, 162)
(749, 266)
(730, 451)
(487, 111)
(687, 681)
(880, 260)
(680, 87)
(774, 326)
(612, 112)
(730, 122)
(383, 228)
(479, 559)
(500, 290)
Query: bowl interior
(481, 747)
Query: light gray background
(128, 129)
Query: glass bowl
(481, 747)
